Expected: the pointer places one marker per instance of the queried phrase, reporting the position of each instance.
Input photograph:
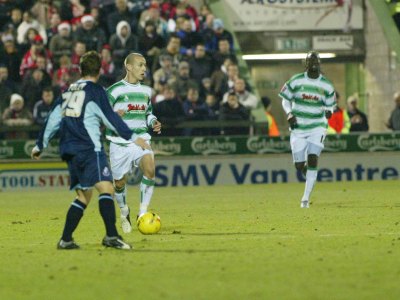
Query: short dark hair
(90, 64)
(48, 89)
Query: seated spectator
(150, 42)
(11, 58)
(122, 42)
(15, 20)
(73, 9)
(339, 122)
(223, 80)
(172, 49)
(17, 115)
(32, 87)
(30, 22)
(121, 13)
(7, 88)
(200, 64)
(166, 73)
(247, 99)
(78, 51)
(232, 110)
(183, 8)
(169, 112)
(183, 82)
(394, 120)
(180, 11)
(64, 76)
(90, 34)
(358, 119)
(108, 74)
(205, 11)
(213, 106)
(152, 13)
(273, 129)
(43, 107)
(195, 111)
(43, 10)
(55, 20)
(61, 43)
(205, 88)
(29, 60)
(219, 33)
(223, 52)
(189, 38)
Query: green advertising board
(192, 146)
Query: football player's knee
(119, 184)
(312, 160)
(149, 172)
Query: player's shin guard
(120, 196)
(311, 177)
(107, 211)
(146, 192)
(74, 215)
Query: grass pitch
(236, 242)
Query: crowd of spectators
(192, 65)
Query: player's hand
(157, 127)
(35, 154)
(292, 120)
(328, 114)
(120, 112)
(142, 144)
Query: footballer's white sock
(120, 196)
(311, 177)
(146, 191)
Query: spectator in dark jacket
(122, 43)
(61, 43)
(169, 112)
(358, 119)
(88, 33)
(150, 42)
(122, 13)
(200, 64)
(195, 111)
(232, 110)
(42, 108)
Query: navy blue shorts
(88, 168)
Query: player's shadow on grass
(184, 250)
(225, 233)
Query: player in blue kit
(77, 116)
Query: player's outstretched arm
(48, 130)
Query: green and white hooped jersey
(135, 101)
(309, 99)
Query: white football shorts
(305, 143)
(124, 158)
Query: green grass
(236, 242)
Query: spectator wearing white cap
(122, 43)
(62, 43)
(90, 34)
(17, 115)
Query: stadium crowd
(192, 66)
